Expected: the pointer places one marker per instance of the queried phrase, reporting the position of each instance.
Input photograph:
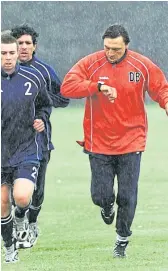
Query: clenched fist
(38, 125)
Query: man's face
(114, 48)
(9, 56)
(26, 48)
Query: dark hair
(6, 38)
(24, 29)
(115, 31)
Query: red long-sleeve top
(119, 127)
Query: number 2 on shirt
(28, 85)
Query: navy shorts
(28, 170)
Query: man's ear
(35, 47)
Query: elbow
(64, 92)
(65, 103)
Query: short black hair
(24, 29)
(6, 38)
(115, 31)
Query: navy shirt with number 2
(23, 98)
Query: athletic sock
(33, 213)
(122, 239)
(20, 212)
(7, 230)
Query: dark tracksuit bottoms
(38, 195)
(126, 167)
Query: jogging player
(114, 81)
(25, 101)
(27, 40)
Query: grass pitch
(73, 236)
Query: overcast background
(71, 30)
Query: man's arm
(158, 87)
(77, 83)
(54, 91)
(43, 104)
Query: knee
(21, 200)
(22, 192)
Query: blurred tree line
(71, 30)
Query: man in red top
(114, 82)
